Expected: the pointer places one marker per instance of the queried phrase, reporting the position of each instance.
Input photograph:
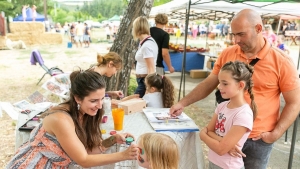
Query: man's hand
(267, 137)
(171, 69)
(236, 152)
(176, 109)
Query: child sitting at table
(159, 91)
(157, 150)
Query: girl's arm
(227, 142)
(62, 127)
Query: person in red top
(275, 74)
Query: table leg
(293, 40)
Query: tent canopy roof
(115, 18)
(217, 9)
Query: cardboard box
(132, 105)
(198, 73)
(210, 63)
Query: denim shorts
(141, 88)
(257, 154)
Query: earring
(78, 106)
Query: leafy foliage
(105, 8)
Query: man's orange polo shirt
(273, 73)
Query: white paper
(162, 114)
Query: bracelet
(109, 141)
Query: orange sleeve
(289, 77)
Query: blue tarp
(39, 17)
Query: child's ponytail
(167, 92)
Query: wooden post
(2, 24)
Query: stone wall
(33, 33)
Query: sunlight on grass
(70, 52)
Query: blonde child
(159, 91)
(157, 151)
(233, 120)
(281, 45)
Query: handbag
(219, 98)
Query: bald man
(274, 73)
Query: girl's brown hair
(164, 85)
(161, 150)
(87, 129)
(111, 56)
(241, 71)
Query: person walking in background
(232, 122)
(270, 35)
(70, 133)
(159, 91)
(86, 36)
(79, 31)
(107, 32)
(157, 151)
(279, 76)
(24, 9)
(146, 54)
(162, 40)
(33, 12)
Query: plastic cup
(118, 116)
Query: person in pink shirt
(232, 122)
(270, 35)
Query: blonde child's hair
(140, 26)
(161, 150)
(111, 56)
(164, 85)
(241, 71)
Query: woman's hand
(131, 153)
(134, 96)
(121, 137)
(118, 94)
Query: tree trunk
(45, 10)
(124, 44)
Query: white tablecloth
(191, 155)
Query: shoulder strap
(145, 41)
(254, 61)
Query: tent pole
(182, 79)
(278, 27)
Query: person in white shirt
(159, 91)
(146, 55)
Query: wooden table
(293, 35)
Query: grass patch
(132, 86)
(70, 52)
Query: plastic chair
(37, 58)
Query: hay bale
(37, 39)
(25, 38)
(27, 27)
(3, 42)
(48, 38)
